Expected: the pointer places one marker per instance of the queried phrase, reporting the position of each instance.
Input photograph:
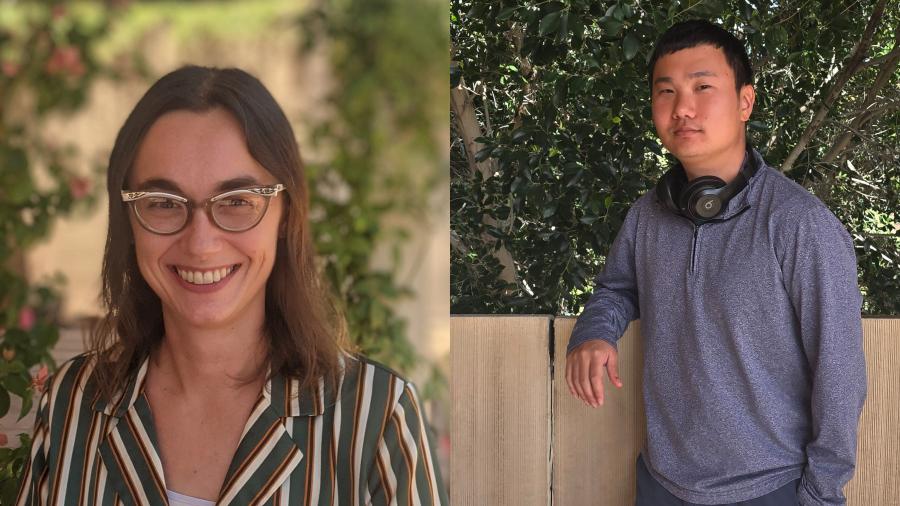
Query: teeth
(205, 277)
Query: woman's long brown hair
(305, 331)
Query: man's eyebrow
(702, 73)
(692, 75)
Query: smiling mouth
(207, 277)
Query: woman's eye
(161, 203)
(237, 202)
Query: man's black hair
(696, 32)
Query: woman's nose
(202, 237)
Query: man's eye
(704, 86)
(665, 91)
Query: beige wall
(509, 448)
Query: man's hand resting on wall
(584, 370)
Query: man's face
(697, 113)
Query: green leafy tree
(552, 139)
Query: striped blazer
(368, 445)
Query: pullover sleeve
(614, 302)
(819, 267)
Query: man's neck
(725, 166)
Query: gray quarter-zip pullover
(754, 373)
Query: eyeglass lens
(234, 213)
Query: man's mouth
(205, 276)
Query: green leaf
(612, 26)
(550, 23)
(16, 384)
(27, 403)
(484, 153)
(519, 135)
(506, 13)
(4, 402)
(630, 46)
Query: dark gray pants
(651, 493)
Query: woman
(219, 374)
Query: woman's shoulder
(73, 374)
(370, 381)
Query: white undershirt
(176, 499)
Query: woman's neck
(210, 362)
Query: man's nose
(684, 106)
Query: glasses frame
(266, 191)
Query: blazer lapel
(129, 448)
(266, 455)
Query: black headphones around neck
(702, 199)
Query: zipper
(694, 246)
(697, 232)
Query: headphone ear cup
(666, 190)
(700, 198)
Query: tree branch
(885, 73)
(461, 102)
(850, 68)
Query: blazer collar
(264, 459)
(281, 392)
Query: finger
(597, 382)
(584, 380)
(569, 366)
(572, 375)
(612, 368)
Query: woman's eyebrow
(159, 184)
(237, 182)
(226, 185)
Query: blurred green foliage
(565, 142)
(46, 65)
(383, 155)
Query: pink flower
(65, 59)
(3, 439)
(26, 318)
(79, 187)
(39, 378)
(9, 69)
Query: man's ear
(746, 98)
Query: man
(745, 285)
